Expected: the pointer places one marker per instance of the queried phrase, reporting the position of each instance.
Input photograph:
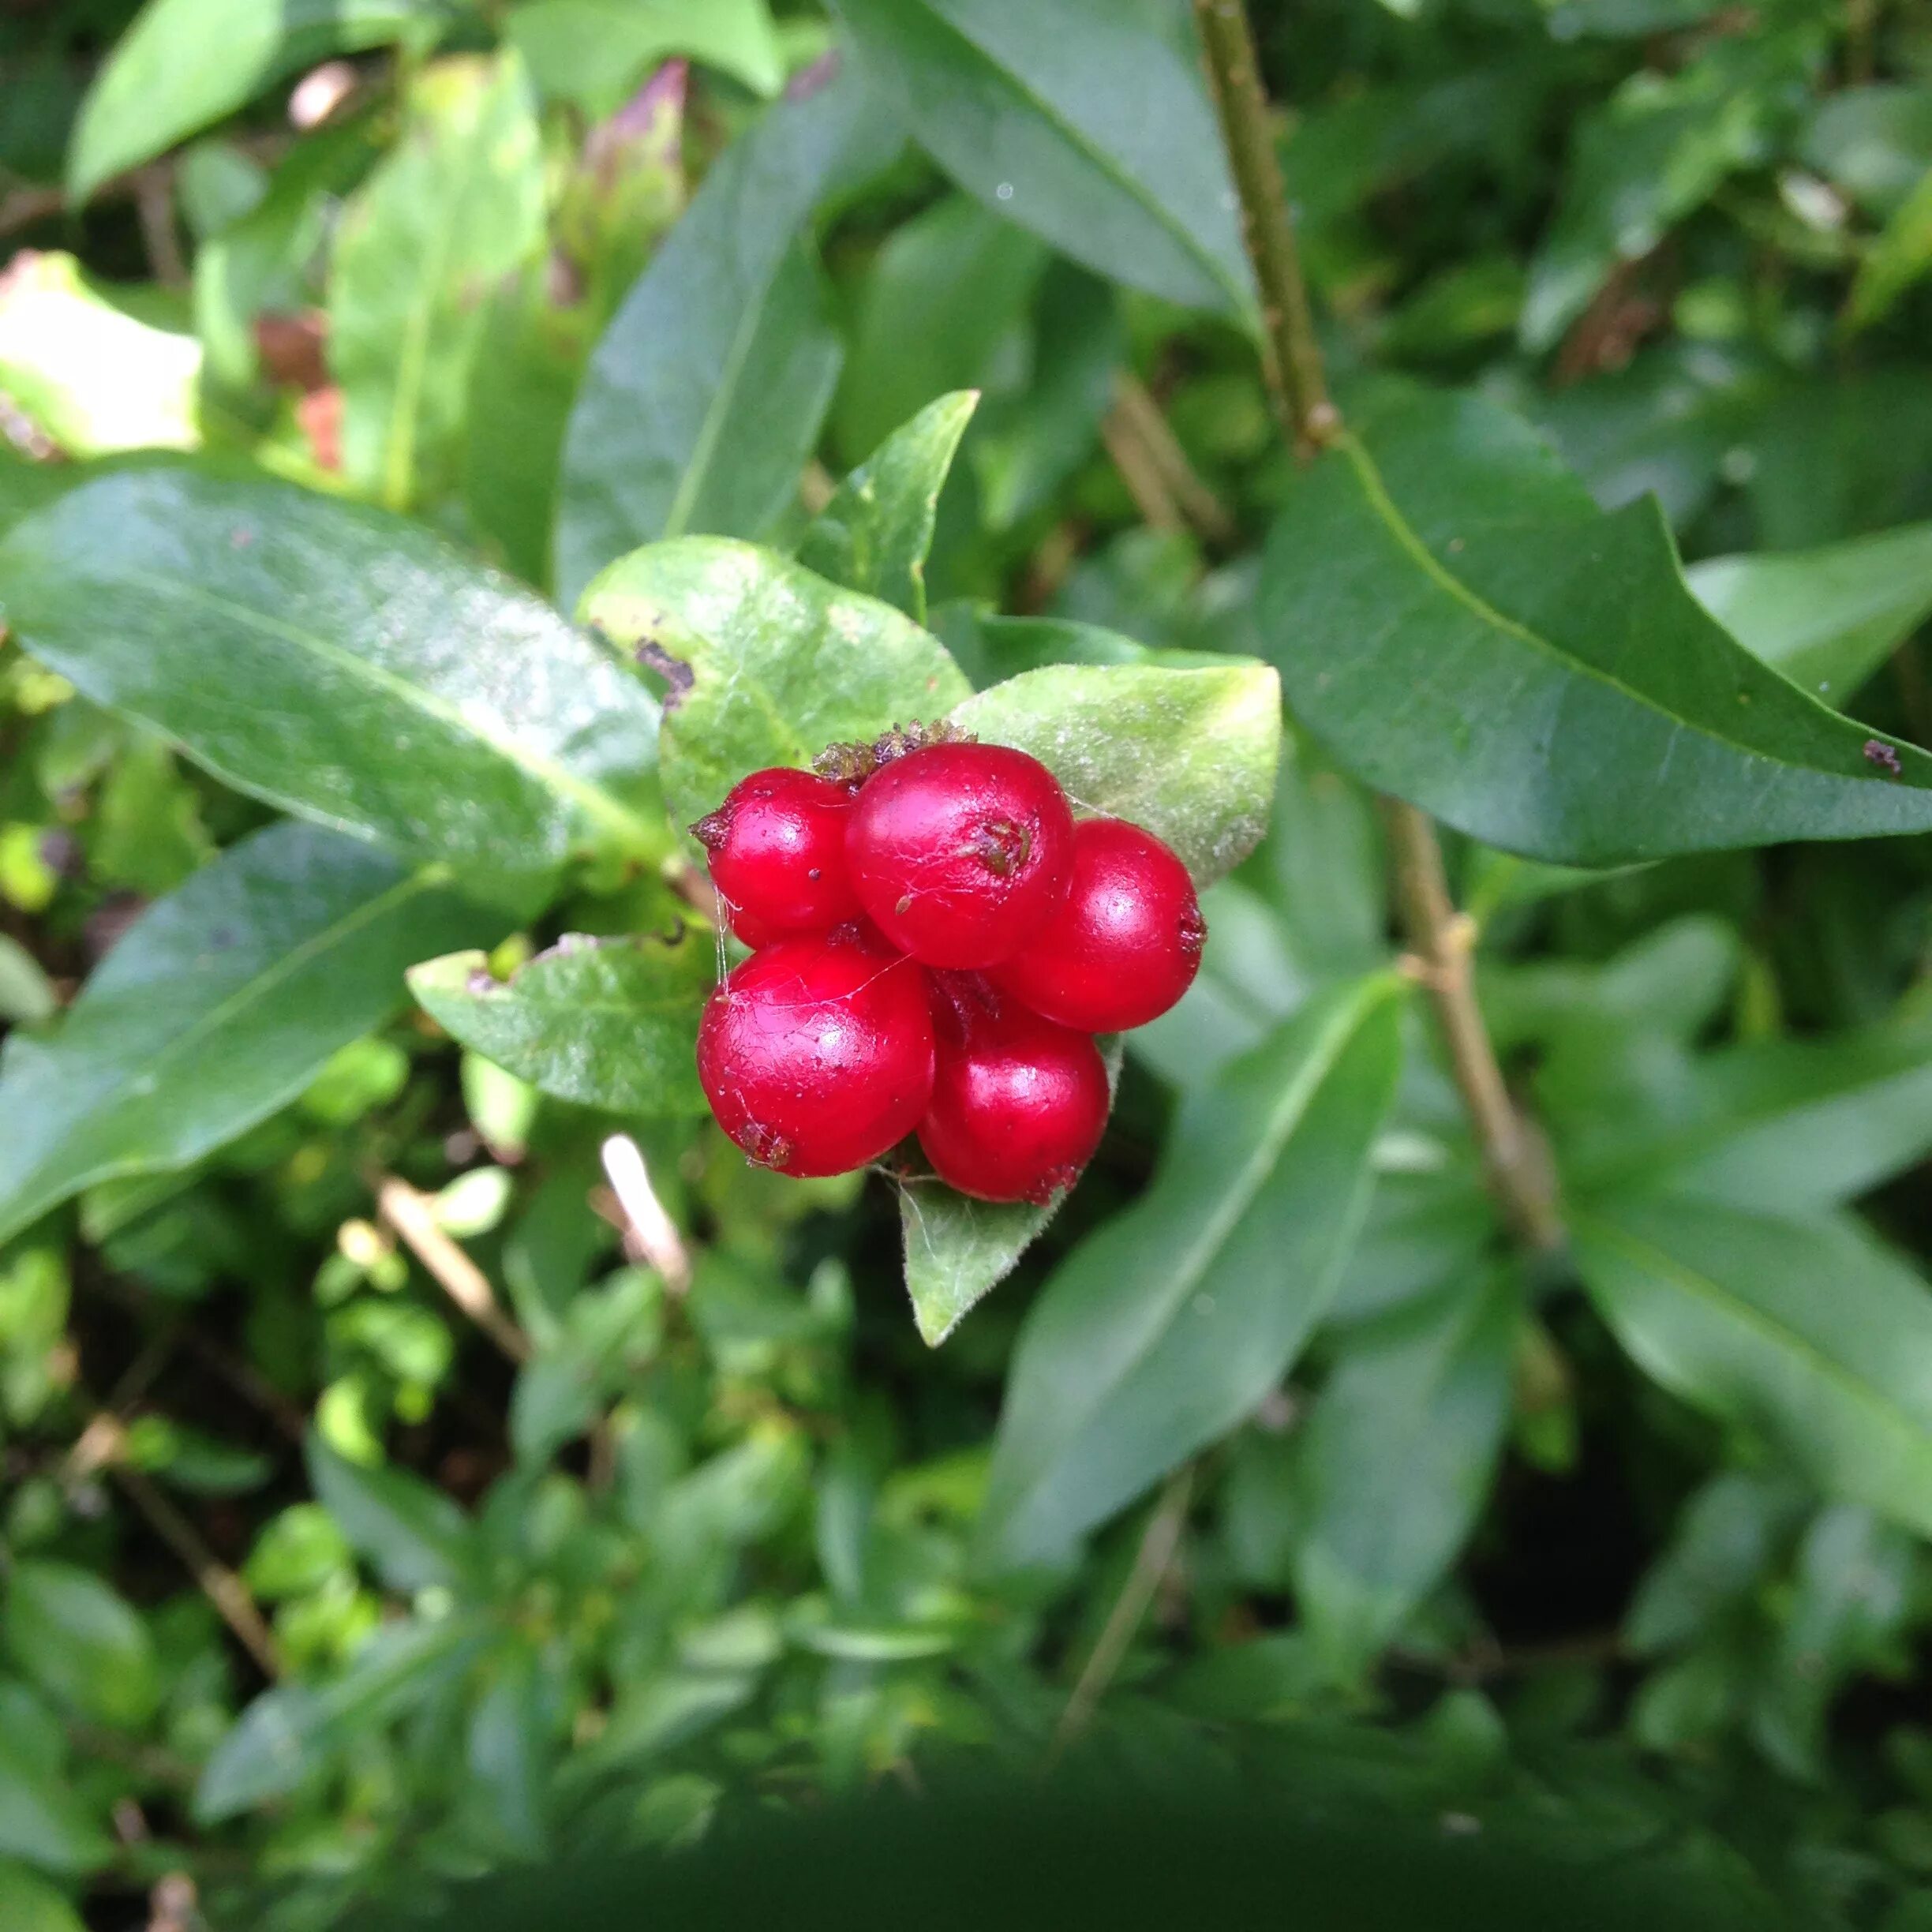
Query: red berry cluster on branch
(936, 941)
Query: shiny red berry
(1126, 943)
(776, 847)
(817, 1054)
(958, 851)
(1018, 1104)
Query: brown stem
(1136, 418)
(1295, 375)
(1440, 936)
(412, 1216)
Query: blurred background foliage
(316, 1591)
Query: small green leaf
(337, 662)
(91, 376)
(607, 1023)
(42, 1820)
(80, 1643)
(1459, 624)
(296, 1731)
(1086, 121)
(704, 398)
(958, 1250)
(1394, 1463)
(186, 63)
(874, 535)
(591, 52)
(1191, 754)
(507, 1753)
(220, 1005)
(414, 1535)
(1166, 1327)
(31, 1904)
(769, 663)
(1826, 618)
(458, 204)
(1724, 1306)
(1900, 256)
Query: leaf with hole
(606, 1023)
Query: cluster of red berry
(936, 940)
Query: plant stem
(1440, 938)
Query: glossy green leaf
(219, 1005)
(296, 1731)
(957, 1250)
(768, 663)
(186, 63)
(1730, 1310)
(79, 1642)
(592, 51)
(414, 1535)
(1458, 624)
(339, 662)
(1655, 151)
(1394, 1464)
(31, 1904)
(1191, 754)
(1826, 618)
(1165, 1327)
(458, 204)
(874, 535)
(1086, 122)
(607, 1022)
(704, 398)
(89, 375)
(939, 310)
(1787, 1125)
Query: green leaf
(1805, 1332)
(293, 1733)
(1788, 1124)
(1874, 142)
(42, 1819)
(457, 205)
(591, 52)
(958, 1250)
(31, 1904)
(874, 535)
(704, 398)
(1653, 153)
(508, 1754)
(339, 662)
(219, 1005)
(414, 1535)
(768, 663)
(1191, 754)
(1459, 624)
(1900, 254)
(607, 1022)
(944, 298)
(186, 63)
(1166, 1327)
(1394, 1462)
(80, 1643)
(1086, 122)
(1826, 618)
(91, 376)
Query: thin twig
(1140, 417)
(412, 1215)
(1297, 379)
(1158, 1542)
(1152, 498)
(649, 1234)
(1442, 938)
(154, 202)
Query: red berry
(1018, 1103)
(958, 851)
(777, 854)
(817, 1054)
(1126, 943)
